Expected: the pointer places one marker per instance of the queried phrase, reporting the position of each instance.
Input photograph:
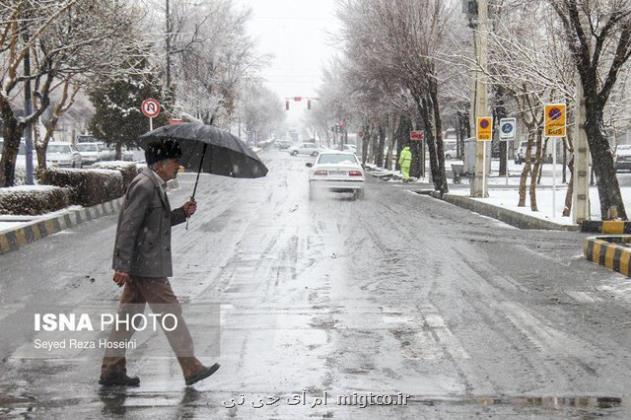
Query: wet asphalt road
(398, 293)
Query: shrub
(129, 170)
(89, 186)
(33, 200)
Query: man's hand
(120, 278)
(190, 207)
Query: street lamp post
(477, 13)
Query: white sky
(298, 35)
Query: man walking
(405, 161)
(142, 264)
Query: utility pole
(28, 110)
(478, 20)
(580, 191)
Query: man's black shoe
(204, 373)
(119, 380)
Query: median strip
(613, 252)
(14, 239)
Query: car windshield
(87, 148)
(58, 148)
(333, 159)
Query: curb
(12, 240)
(511, 217)
(606, 227)
(608, 251)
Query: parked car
(309, 149)
(283, 144)
(520, 155)
(63, 154)
(339, 172)
(105, 152)
(450, 149)
(127, 154)
(89, 152)
(623, 157)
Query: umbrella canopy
(209, 149)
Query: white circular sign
(150, 107)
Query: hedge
(129, 170)
(89, 186)
(33, 200)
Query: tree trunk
(567, 210)
(440, 150)
(431, 145)
(602, 160)
(119, 151)
(392, 125)
(381, 145)
(12, 133)
(365, 140)
(535, 171)
(526, 171)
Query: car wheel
(294, 153)
(314, 154)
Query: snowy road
(396, 294)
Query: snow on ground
(508, 199)
(4, 226)
(27, 188)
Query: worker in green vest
(405, 161)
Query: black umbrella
(209, 149)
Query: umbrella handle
(199, 171)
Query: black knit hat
(156, 152)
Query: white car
(106, 152)
(623, 157)
(89, 152)
(335, 171)
(309, 149)
(63, 154)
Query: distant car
(310, 149)
(63, 155)
(127, 154)
(623, 157)
(520, 155)
(89, 152)
(283, 144)
(339, 172)
(450, 149)
(105, 152)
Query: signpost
(554, 126)
(508, 127)
(484, 132)
(417, 135)
(150, 108)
